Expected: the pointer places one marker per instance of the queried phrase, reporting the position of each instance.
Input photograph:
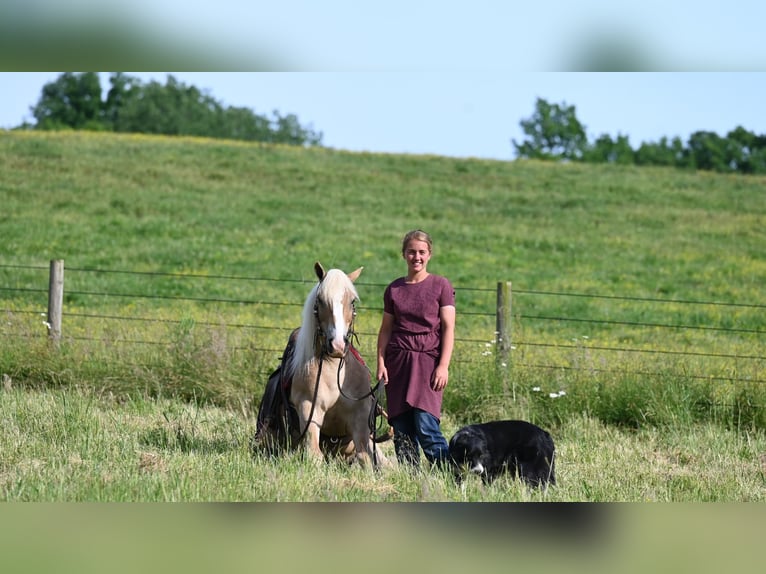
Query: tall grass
(69, 445)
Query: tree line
(75, 101)
(553, 132)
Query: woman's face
(417, 255)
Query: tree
(707, 150)
(244, 124)
(287, 129)
(172, 109)
(661, 153)
(123, 88)
(72, 101)
(746, 151)
(607, 150)
(553, 132)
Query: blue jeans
(417, 429)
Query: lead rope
(372, 424)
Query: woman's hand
(440, 378)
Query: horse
(327, 402)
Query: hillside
(154, 203)
(211, 208)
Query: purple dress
(415, 344)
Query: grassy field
(65, 445)
(152, 395)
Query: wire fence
(543, 332)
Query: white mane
(334, 285)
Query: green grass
(71, 445)
(153, 203)
(190, 340)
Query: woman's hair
(417, 235)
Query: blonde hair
(417, 235)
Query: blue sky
(450, 35)
(460, 114)
(427, 76)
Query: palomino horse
(331, 400)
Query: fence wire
(485, 316)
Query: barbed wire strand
(181, 275)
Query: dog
(517, 447)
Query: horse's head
(334, 310)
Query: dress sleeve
(388, 304)
(447, 295)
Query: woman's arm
(384, 335)
(441, 373)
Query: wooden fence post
(55, 300)
(503, 322)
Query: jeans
(417, 429)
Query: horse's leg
(363, 443)
(311, 434)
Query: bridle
(319, 334)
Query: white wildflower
(536, 389)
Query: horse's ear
(319, 270)
(354, 275)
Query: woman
(415, 342)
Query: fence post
(503, 322)
(55, 300)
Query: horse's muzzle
(336, 349)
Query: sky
(443, 77)
(396, 35)
(458, 113)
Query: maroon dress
(415, 344)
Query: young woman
(415, 342)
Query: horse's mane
(335, 281)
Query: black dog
(518, 447)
